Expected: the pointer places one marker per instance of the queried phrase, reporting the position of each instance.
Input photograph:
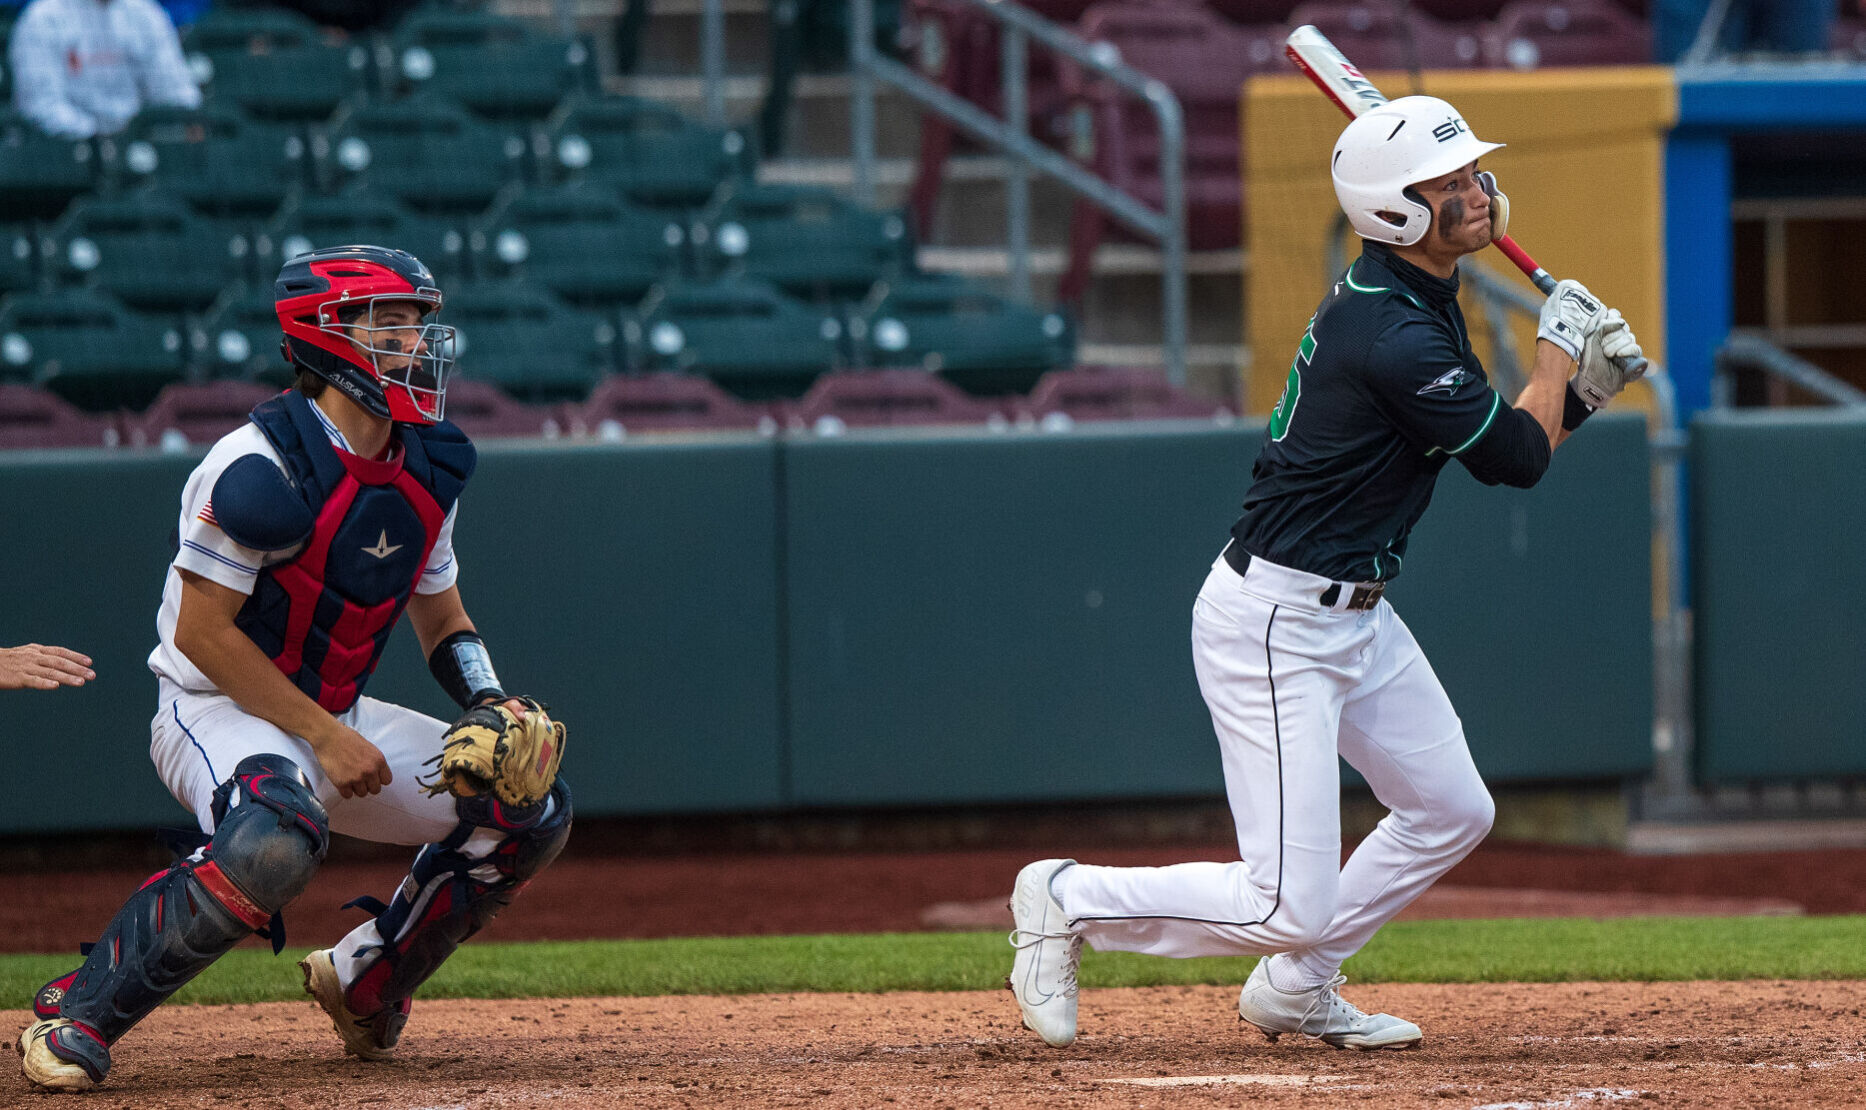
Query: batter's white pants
(1290, 684)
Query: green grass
(1533, 950)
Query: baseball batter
(303, 537)
(1298, 656)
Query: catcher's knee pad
(271, 833)
(456, 886)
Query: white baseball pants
(1290, 684)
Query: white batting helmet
(1399, 144)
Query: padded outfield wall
(886, 619)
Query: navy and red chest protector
(324, 616)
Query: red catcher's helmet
(326, 297)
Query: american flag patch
(207, 514)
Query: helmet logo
(1450, 129)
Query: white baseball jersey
(81, 68)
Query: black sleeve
(1422, 383)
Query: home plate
(1228, 1080)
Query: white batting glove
(1600, 379)
(1499, 205)
(1569, 316)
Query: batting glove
(1569, 316)
(1611, 347)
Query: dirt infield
(1511, 1045)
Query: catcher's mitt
(491, 750)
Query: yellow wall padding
(1583, 170)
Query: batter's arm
(1547, 392)
(205, 632)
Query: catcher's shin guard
(456, 886)
(270, 835)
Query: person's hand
(41, 667)
(1610, 362)
(1569, 317)
(352, 764)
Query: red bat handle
(1526, 264)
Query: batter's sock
(1293, 974)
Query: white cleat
(1319, 1012)
(60, 1055)
(1043, 974)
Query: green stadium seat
(981, 342)
(429, 153)
(645, 150)
(497, 67)
(214, 158)
(19, 258)
(580, 242)
(807, 240)
(273, 64)
(40, 174)
(238, 337)
(87, 348)
(744, 334)
(148, 250)
(527, 342)
(308, 223)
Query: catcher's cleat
(1319, 1012)
(45, 1004)
(371, 1036)
(61, 1055)
(1043, 974)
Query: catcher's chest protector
(324, 616)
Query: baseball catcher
(304, 537)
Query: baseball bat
(1353, 93)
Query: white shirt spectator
(85, 67)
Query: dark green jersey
(1384, 391)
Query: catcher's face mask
(411, 355)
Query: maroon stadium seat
(1849, 37)
(193, 414)
(1205, 61)
(32, 417)
(1374, 35)
(1253, 13)
(483, 411)
(1460, 11)
(1102, 393)
(885, 398)
(1538, 34)
(628, 403)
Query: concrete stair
(1120, 320)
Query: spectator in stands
(38, 667)
(1777, 26)
(85, 67)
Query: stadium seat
(273, 64)
(628, 404)
(238, 337)
(1460, 11)
(1205, 61)
(33, 418)
(1094, 393)
(524, 340)
(581, 242)
(741, 332)
(646, 150)
(979, 341)
(147, 249)
(1256, 13)
(809, 241)
(193, 414)
(40, 174)
(887, 398)
(87, 348)
(19, 258)
(496, 67)
(1377, 36)
(427, 152)
(308, 223)
(1539, 34)
(483, 411)
(214, 158)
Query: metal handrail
(1746, 349)
(1018, 27)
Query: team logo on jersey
(1446, 383)
(383, 548)
(1285, 410)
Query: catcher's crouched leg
(270, 834)
(456, 886)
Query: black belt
(1363, 597)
